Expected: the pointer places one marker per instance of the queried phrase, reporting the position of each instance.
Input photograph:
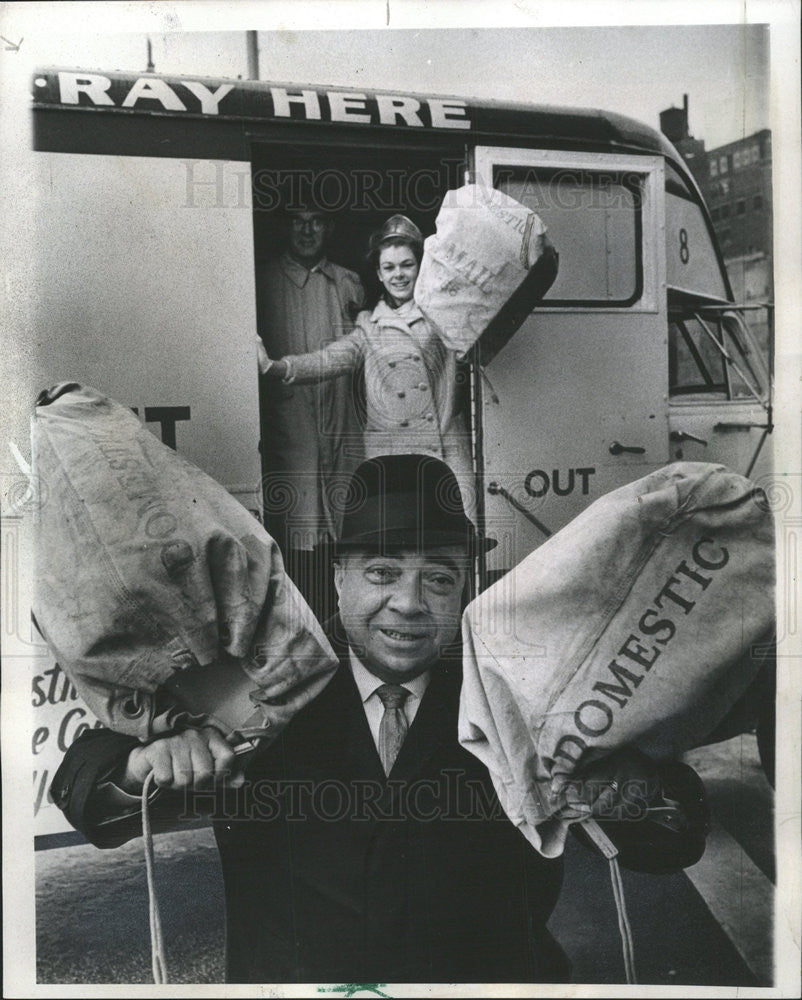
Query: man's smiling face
(400, 610)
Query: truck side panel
(146, 289)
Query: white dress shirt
(367, 683)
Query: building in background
(736, 183)
(738, 193)
(674, 126)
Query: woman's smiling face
(397, 271)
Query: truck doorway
(311, 435)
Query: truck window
(594, 219)
(698, 347)
(695, 364)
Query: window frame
(621, 179)
(726, 329)
(650, 212)
(709, 389)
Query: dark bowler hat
(406, 501)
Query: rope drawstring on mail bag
(610, 851)
(623, 921)
(158, 960)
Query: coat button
(401, 394)
(416, 357)
(391, 364)
(404, 423)
(429, 417)
(423, 386)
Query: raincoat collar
(385, 315)
(299, 274)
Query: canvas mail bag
(484, 246)
(162, 598)
(638, 624)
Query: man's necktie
(393, 726)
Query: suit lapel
(435, 722)
(359, 754)
(365, 759)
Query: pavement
(92, 911)
(708, 926)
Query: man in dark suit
(365, 844)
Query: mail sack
(484, 246)
(639, 624)
(163, 599)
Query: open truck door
(577, 401)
